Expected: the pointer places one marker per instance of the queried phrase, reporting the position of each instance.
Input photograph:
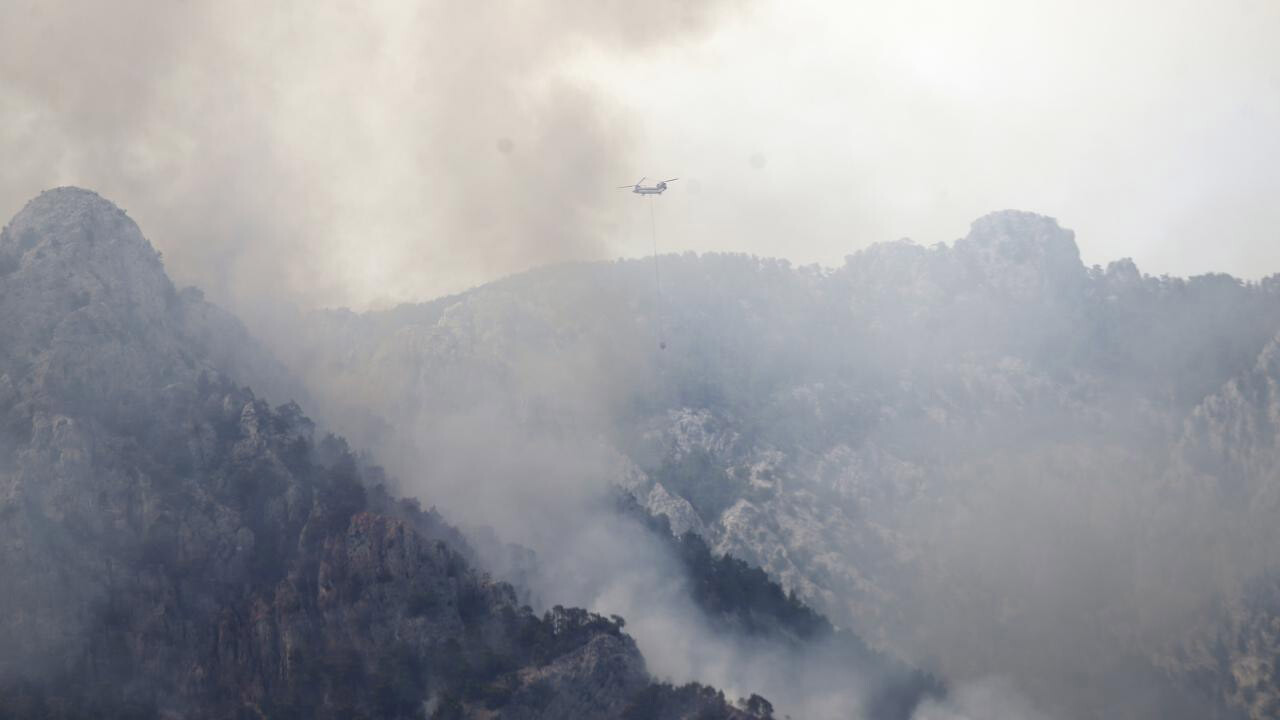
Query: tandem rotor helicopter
(641, 189)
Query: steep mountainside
(965, 453)
(1227, 464)
(742, 601)
(172, 545)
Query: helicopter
(641, 189)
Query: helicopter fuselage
(641, 189)
(649, 190)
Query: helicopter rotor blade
(642, 179)
(625, 187)
(671, 180)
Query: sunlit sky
(362, 155)
(1152, 129)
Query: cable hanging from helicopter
(639, 188)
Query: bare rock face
(172, 545)
(1011, 254)
(90, 323)
(1022, 255)
(1234, 435)
(1226, 463)
(70, 249)
(83, 289)
(605, 669)
(677, 510)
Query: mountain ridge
(868, 434)
(173, 545)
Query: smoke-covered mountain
(172, 545)
(1053, 485)
(986, 458)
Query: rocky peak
(80, 285)
(1011, 254)
(1022, 255)
(72, 245)
(1123, 272)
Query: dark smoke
(331, 153)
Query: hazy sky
(366, 153)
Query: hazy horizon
(361, 158)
